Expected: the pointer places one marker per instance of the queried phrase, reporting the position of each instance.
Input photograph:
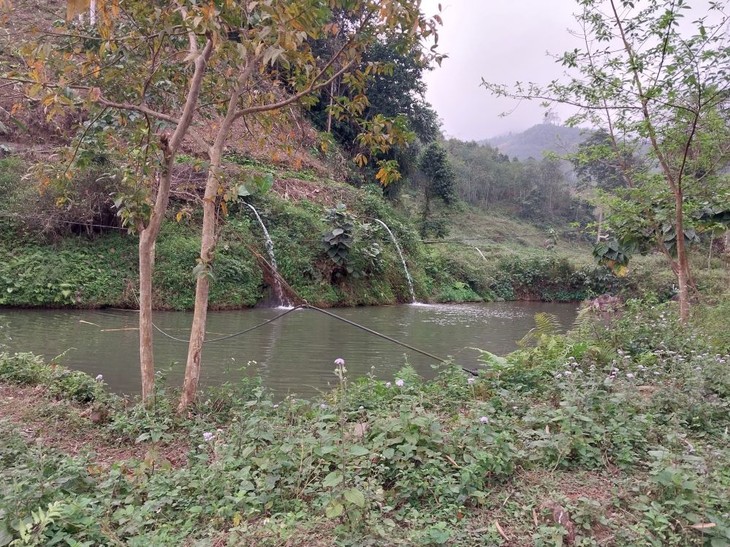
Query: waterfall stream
(402, 259)
(278, 292)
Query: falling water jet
(481, 254)
(402, 259)
(278, 292)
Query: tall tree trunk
(202, 289)
(329, 110)
(207, 245)
(146, 356)
(683, 273)
(600, 224)
(148, 234)
(146, 253)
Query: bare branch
(312, 87)
(134, 108)
(201, 62)
(644, 102)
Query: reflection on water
(294, 354)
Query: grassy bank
(613, 435)
(58, 257)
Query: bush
(26, 369)
(551, 279)
(23, 369)
(85, 206)
(75, 386)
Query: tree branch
(644, 102)
(312, 87)
(134, 108)
(201, 62)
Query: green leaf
(334, 510)
(333, 479)
(5, 535)
(491, 359)
(263, 183)
(358, 450)
(355, 497)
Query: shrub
(23, 369)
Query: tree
(70, 77)
(395, 91)
(440, 181)
(598, 166)
(483, 174)
(278, 32)
(190, 70)
(645, 81)
(602, 168)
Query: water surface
(293, 354)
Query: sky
(502, 41)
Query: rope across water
(324, 312)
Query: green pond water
(293, 354)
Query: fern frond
(546, 324)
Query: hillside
(62, 253)
(538, 140)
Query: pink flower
(399, 382)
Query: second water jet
(402, 259)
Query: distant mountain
(538, 140)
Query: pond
(293, 354)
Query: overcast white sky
(502, 41)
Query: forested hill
(538, 140)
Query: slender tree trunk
(600, 224)
(148, 234)
(146, 357)
(683, 274)
(202, 289)
(146, 252)
(207, 245)
(329, 110)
